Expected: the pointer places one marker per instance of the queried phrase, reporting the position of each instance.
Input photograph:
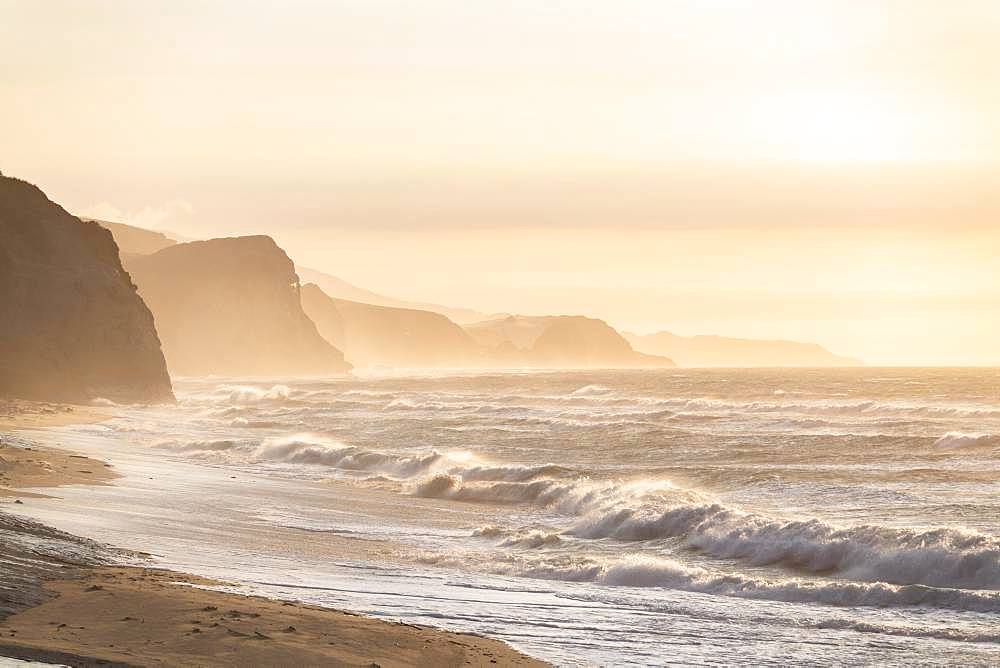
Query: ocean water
(615, 518)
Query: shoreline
(80, 608)
(146, 616)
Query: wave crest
(960, 440)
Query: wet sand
(18, 414)
(71, 611)
(28, 467)
(136, 616)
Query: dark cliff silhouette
(72, 327)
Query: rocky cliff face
(386, 336)
(559, 342)
(720, 351)
(72, 327)
(232, 307)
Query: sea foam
(959, 440)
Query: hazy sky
(826, 171)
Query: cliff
(719, 351)
(135, 240)
(337, 288)
(72, 327)
(232, 307)
(559, 342)
(383, 336)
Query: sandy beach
(137, 616)
(77, 607)
(27, 467)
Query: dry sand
(131, 616)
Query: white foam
(943, 557)
(655, 510)
(588, 390)
(250, 394)
(660, 572)
(318, 450)
(960, 440)
(223, 445)
(857, 407)
(532, 539)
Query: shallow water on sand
(644, 517)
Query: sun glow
(772, 168)
(834, 127)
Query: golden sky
(825, 171)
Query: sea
(652, 517)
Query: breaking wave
(532, 539)
(590, 390)
(101, 401)
(865, 407)
(651, 510)
(644, 571)
(576, 519)
(942, 557)
(249, 394)
(448, 469)
(959, 440)
(224, 445)
(323, 452)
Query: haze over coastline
(373, 330)
(500, 333)
(747, 169)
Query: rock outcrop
(720, 351)
(559, 342)
(72, 327)
(133, 240)
(372, 335)
(232, 307)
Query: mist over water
(816, 502)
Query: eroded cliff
(559, 342)
(72, 327)
(386, 336)
(232, 307)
